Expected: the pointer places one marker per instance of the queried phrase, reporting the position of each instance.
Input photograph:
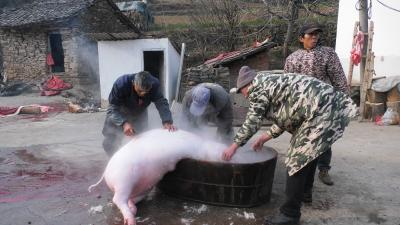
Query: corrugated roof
(42, 11)
(228, 57)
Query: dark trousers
(324, 160)
(296, 185)
(113, 134)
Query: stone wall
(203, 74)
(24, 54)
(25, 50)
(258, 62)
(71, 59)
(1, 63)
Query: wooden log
(373, 110)
(393, 95)
(368, 70)
(394, 105)
(376, 97)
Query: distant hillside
(177, 20)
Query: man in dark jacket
(127, 111)
(209, 102)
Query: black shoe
(325, 178)
(307, 197)
(282, 219)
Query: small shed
(158, 56)
(255, 57)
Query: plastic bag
(390, 117)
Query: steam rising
(205, 136)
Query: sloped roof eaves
(242, 54)
(112, 36)
(124, 19)
(41, 11)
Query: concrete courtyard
(48, 161)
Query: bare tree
(289, 10)
(221, 17)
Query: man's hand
(128, 129)
(169, 127)
(229, 152)
(258, 144)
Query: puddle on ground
(47, 175)
(28, 157)
(29, 175)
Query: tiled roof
(41, 11)
(228, 57)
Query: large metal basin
(225, 184)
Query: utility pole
(363, 17)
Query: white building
(385, 40)
(158, 56)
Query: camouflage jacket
(320, 62)
(306, 107)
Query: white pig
(141, 163)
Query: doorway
(153, 62)
(57, 52)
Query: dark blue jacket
(125, 102)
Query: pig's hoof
(129, 221)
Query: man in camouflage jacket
(306, 107)
(323, 63)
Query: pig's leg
(136, 199)
(120, 199)
(132, 206)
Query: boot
(325, 178)
(282, 219)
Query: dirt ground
(48, 161)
